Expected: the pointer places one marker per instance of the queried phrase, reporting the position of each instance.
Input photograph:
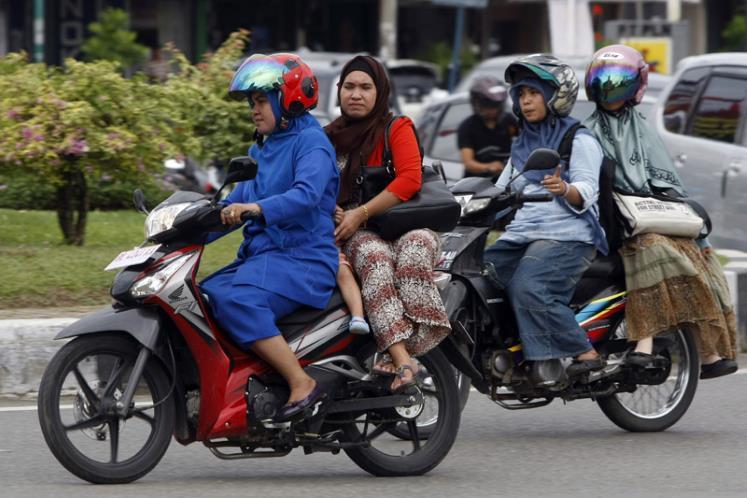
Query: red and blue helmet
(287, 74)
(616, 73)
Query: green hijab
(642, 160)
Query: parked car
(702, 118)
(496, 67)
(414, 83)
(438, 124)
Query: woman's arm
(313, 172)
(406, 183)
(586, 161)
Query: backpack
(608, 214)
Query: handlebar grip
(250, 215)
(535, 198)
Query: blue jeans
(540, 278)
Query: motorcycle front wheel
(654, 408)
(78, 392)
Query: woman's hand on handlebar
(231, 214)
(351, 221)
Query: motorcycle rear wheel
(654, 408)
(426, 453)
(91, 372)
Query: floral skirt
(672, 283)
(401, 301)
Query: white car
(702, 118)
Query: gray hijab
(642, 159)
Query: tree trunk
(72, 207)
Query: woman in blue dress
(288, 256)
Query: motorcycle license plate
(132, 257)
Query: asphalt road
(558, 450)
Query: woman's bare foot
(588, 355)
(405, 376)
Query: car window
(679, 102)
(720, 109)
(445, 142)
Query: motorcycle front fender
(142, 324)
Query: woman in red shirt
(403, 305)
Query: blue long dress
(290, 258)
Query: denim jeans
(540, 278)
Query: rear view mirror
(541, 159)
(138, 197)
(241, 169)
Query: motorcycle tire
(439, 441)
(650, 408)
(74, 361)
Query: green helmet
(550, 69)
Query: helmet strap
(284, 122)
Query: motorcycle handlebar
(250, 215)
(535, 198)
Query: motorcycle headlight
(153, 283)
(470, 205)
(161, 219)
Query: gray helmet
(550, 69)
(487, 91)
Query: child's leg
(351, 293)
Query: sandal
(404, 383)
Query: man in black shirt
(484, 139)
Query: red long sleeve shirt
(406, 158)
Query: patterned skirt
(400, 298)
(672, 283)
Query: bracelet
(365, 210)
(564, 195)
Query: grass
(37, 270)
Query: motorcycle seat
(306, 314)
(609, 266)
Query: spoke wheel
(653, 408)
(387, 455)
(78, 414)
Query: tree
(81, 121)
(112, 40)
(73, 124)
(734, 34)
(221, 124)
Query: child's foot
(358, 326)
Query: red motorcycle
(156, 363)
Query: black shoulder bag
(433, 207)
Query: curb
(26, 346)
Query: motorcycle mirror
(539, 159)
(542, 159)
(240, 169)
(138, 197)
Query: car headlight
(161, 219)
(153, 283)
(470, 205)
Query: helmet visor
(258, 73)
(611, 83)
